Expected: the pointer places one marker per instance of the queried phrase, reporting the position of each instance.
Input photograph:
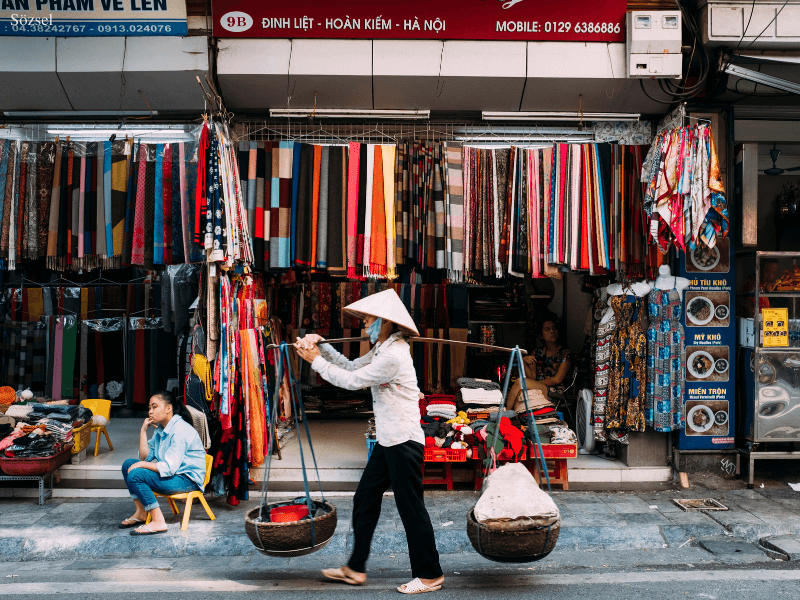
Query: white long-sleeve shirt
(388, 371)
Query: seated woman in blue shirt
(172, 461)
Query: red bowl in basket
(286, 514)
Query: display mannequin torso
(665, 281)
(617, 289)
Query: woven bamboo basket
(293, 538)
(501, 545)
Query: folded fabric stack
(19, 411)
(34, 445)
(471, 383)
(440, 405)
(475, 398)
(488, 409)
(546, 415)
(537, 400)
(435, 399)
(61, 431)
(60, 412)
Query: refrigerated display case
(772, 368)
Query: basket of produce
(35, 466)
(291, 538)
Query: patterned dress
(665, 361)
(627, 368)
(605, 333)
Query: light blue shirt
(178, 451)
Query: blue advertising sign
(710, 344)
(92, 18)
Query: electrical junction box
(653, 44)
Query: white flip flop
(415, 586)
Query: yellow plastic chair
(189, 497)
(100, 408)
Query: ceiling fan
(774, 170)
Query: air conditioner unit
(583, 422)
(653, 44)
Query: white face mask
(374, 330)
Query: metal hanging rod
(414, 339)
(388, 132)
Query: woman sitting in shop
(545, 367)
(396, 461)
(171, 462)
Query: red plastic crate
(286, 514)
(557, 451)
(445, 455)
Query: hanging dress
(605, 335)
(665, 361)
(627, 369)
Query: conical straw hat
(386, 305)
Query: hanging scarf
(281, 206)
(260, 230)
(338, 212)
(454, 207)
(321, 233)
(378, 241)
(303, 239)
(388, 156)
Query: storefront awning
(256, 75)
(86, 74)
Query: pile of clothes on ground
(40, 430)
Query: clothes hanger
(61, 279)
(100, 278)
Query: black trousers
(401, 468)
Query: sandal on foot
(128, 523)
(146, 530)
(340, 575)
(415, 586)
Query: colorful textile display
(240, 383)
(73, 202)
(685, 197)
(221, 219)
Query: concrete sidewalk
(591, 521)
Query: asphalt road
(610, 576)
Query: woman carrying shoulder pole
(396, 461)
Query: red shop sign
(542, 20)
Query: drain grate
(699, 504)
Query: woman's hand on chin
(148, 422)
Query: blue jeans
(143, 482)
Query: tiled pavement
(591, 521)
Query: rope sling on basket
(525, 539)
(270, 535)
